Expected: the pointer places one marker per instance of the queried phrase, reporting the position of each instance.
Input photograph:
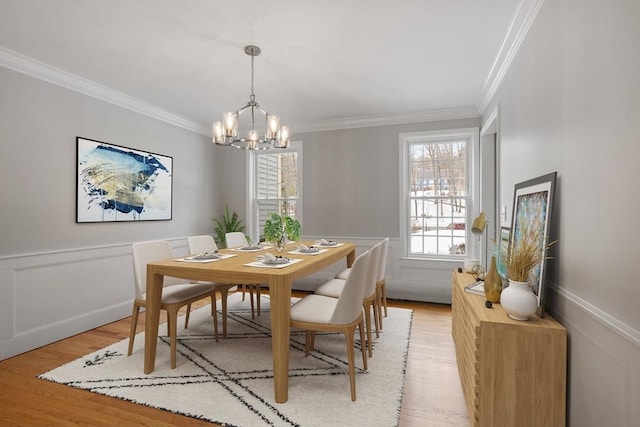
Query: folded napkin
(307, 249)
(252, 246)
(268, 257)
(272, 259)
(207, 255)
(325, 242)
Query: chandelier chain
(253, 96)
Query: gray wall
(57, 277)
(570, 103)
(351, 191)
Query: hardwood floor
(432, 392)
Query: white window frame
(252, 185)
(473, 167)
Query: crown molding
(518, 29)
(40, 70)
(388, 120)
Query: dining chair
(206, 244)
(335, 287)
(175, 293)
(237, 239)
(319, 313)
(381, 289)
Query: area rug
(230, 382)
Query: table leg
(152, 318)
(280, 296)
(351, 257)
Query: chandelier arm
(262, 110)
(243, 109)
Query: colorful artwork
(122, 184)
(531, 213)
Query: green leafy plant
(278, 228)
(229, 223)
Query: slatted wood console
(513, 373)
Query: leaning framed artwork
(116, 183)
(532, 203)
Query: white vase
(518, 300)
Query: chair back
(349, 304)
(201, 244)
(372, 270)
(144, 253)
(382, 262)
(235, 239)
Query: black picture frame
(532, 209)
(118, 184)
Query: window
(276, 186)
(436, 194)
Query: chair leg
(376, 320)
(384, 297)
(379, 302)
(172, 326)
(348, 334)
(214, 314)
(244, 290)
(364, 351)
(367, 320)
(134, 326)
(309, 342)
(186, 316)
(258, 298)
(253, 313)
(224, 293)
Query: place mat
(258, 249)
(191, 259)
(299, 252)
(262, 264)
(324, 245)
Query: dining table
(242, 268)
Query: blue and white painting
(122, 184)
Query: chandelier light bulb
(218, 132)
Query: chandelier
(227, 131)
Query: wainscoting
(52, 295)
(45, 297)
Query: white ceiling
(323, 62)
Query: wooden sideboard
(513, 373)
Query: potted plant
(518, 300)
(229, 223)
(279, 229)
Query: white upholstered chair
(319, 313)
(203, 244)
(175, 293)
(237, 239)
(335, 287)
(381, 289)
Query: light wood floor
(432, 391)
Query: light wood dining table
(234, 271)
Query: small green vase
(492, 283)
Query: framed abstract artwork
(116, 183)
(532, 203)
